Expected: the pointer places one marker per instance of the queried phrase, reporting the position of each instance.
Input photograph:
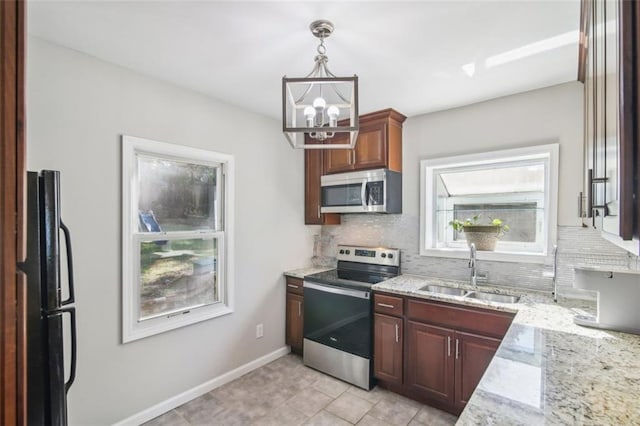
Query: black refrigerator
(46, 385)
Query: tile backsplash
(576, 246)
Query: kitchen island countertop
(547, 369)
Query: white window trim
(132, 329)
(428, 201)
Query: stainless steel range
(338, 324)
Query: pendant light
(321, 105)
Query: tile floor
(285, 392)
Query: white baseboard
(188, 395)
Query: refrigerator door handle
(67, 243)
(74, 338)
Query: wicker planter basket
(484, 237)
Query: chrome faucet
(472, 265)
(475, 276)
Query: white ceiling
(407, 55)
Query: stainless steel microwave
(376, 191)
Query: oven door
(338, 317)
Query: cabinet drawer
(294, 285)
(489, 323)
(389, 305)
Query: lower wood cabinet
(294, 314)
(473, 355)
(388, 348)
(445, 350)
(430, 366)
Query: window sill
(496, 256)
(171, 322)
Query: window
(176, 236)
(518, 186)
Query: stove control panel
(372, 255)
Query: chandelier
(320, 105)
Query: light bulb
(333, 112)
(309, 115)
(319, 103)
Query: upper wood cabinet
(609, 68)
(379, 145)
(313, 169)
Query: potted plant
(484, 237)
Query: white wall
(77, 108)
(545, 115)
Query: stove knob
(390, 255)
(348, 251)
(383, 255)
(341, 251)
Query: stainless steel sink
(451, 291)
(493, 297)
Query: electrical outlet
(259, 331)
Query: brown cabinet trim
(629, 69)
(12, 175)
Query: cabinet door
(387, 348)
(611, 136)
(473, 353)
(313, 169)
(430, 361)
(294, 322)
(371, 149)
(339, 160)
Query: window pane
(177, 275)
(175, 195)
(495, 180)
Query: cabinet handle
(457, 348)
(299, 309)
(448, 345)
(318, 210)
(397, 334)
(384, 305)
(292, 286)
(591, 206)
(590, 193)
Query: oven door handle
(337, 290)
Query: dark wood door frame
(12, 173)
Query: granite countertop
(547, 369)
(302, 272)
